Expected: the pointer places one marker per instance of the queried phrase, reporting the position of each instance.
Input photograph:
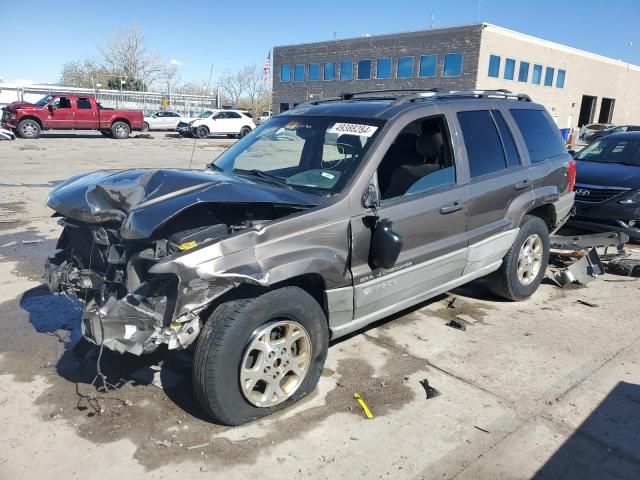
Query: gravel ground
(548, 387)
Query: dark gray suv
(324, 219)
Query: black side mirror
(51, 107)
(385, 245)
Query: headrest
(405, 141)
(429, 145)
(349, 145)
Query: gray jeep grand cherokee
(324, 219)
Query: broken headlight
(633, 199)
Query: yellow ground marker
(366, 410)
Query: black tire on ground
(244, 131)
(106, 133)
(120, 130)
(201, 132)
(227, 334)
(505, 282)
(29, 128)
(145, 127)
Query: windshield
(205, 114)
(612, 150)
(43, 101)
(315, 154)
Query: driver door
(221, 123)
(62, 115)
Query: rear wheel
(244, 131)
(29, 128)
(524, 265)
(145, 127)
(258, 355)
(120, 130)
(201, 132)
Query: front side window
(494, 66)
(405, 67)
(384, 68)
(523, 73)
(540, 134)
(509, 68)
(285, 73)
(314, 71)
(329, 71)
(61, 102)
(482, 142)
(346, 70)
(548, 77)
(419, 160)
(298, 72)
(315, 154)
(83, 103)
(560, 79)
(428, 65)
(364, 69)
(452, 65)
(536, 77)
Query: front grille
(587, 193)
(182, 124)
(5, 115)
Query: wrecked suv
(324, 219)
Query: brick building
(576, 86)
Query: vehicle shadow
(60, 316)
(71, 135)
(606, 445)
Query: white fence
(186, 105)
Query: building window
(428, 64)
(494, 66)
(405, 67)
(536, 77)
(329, 71)
(314, 71)
(346, 70)
(452, 65)
(298, 72)
(560, 79)
(364, 69)
(284, 107)
(509, 68)
(384, 68)
(523, 73)
(548, 77)
(285, 73)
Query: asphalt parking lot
(546, 388)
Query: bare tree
(257, 89)
(233, 86)
(82, 74)
(126, 53)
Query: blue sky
(232, 34)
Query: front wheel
(120, 130)
(258, 355)
(201, 132)
(524, 265)
(29, 128)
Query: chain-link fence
(186, 105)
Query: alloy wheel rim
(530, 259)
(121, 130)
(275, 363)
(29, 129)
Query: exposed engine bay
(128, 260)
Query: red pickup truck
(69, 112)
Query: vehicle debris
(457, 324)
(364, 406)
(588, 304)
(430, 391)
(624, 266)
(481, 429)
(195, 447)
(163, 443)
(455, 303)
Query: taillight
(571, 175)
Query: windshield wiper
(264, 175)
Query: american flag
(267, 65)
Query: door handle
(523, 184)
(452, 207)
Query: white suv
(233, 123)
(163, 120)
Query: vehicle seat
(429, 148)
(349, 145)
(401, 152)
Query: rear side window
(481, 139)
(540, 135)
(83, 103)
(510, 150)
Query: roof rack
(415, 94)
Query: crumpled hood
(18, 104)
(608, 174)
(142, 200)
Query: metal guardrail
(187, 105)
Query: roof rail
(430, 94)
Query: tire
(29, 128)
(226, 344)
(120, 130)
(244, 131)
(145, 127)
(201, 132)
(508, 281)
(106, 133)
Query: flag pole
(271, 83)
